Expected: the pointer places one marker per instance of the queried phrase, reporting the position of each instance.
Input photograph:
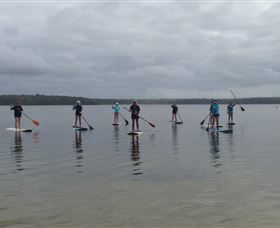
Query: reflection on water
(36, 137)
(17, 151)
(116, 145)
(175, 139)
(78, 146)
(135, 155)
(231, 145)
(214, 148)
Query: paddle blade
(126, 122)
(36, 122)
(152, 124)
(242, 109)
(90, 127)
(202, 122)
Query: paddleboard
(178, 122)
(116, 124)
(219, 130)
(231, 123)
(19, 129)
(205, 126)
(79, 128)
(135, 133)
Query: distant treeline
(67, 100)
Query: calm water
(171, 176)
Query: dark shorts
(78, 114)
(134, 117)
(174, 112)
(17, 115)
(216, 115)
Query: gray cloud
(143, 49)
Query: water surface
(170, 176)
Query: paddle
(209, 122)
(203, 121)
(89, 126)
(180, 118)
(141, 118)
(126, 121)
(35, 122)
(237, 101)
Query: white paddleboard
(220, 130)
(205, 126)
(80, 128)
(19, 129)
(116, 124)
(135, 133)
(231, 123)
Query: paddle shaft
(35, 122)
(180, 117)
(140, 117)
(90, 127)
(237, 101)
(202, 122)
(126, 121)
(26, 115)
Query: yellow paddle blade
(36, 122)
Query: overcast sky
(140, 49)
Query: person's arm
(12, 107)
(21, 109)
(74, 107)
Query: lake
(170, 176)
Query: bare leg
(76, 120)
(175, 117)
(228, 117)
(213, 121)
(133, 122)
(80, 121)
(137, 124)
(19, 120)
(217, 121)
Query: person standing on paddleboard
(174, 112)
(17, 113)
(135, 110)
(78, 114)
(230, 112)
(215, 113)
(116, 109)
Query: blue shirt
(117, 108)
(215, 109)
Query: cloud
(140, 49)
